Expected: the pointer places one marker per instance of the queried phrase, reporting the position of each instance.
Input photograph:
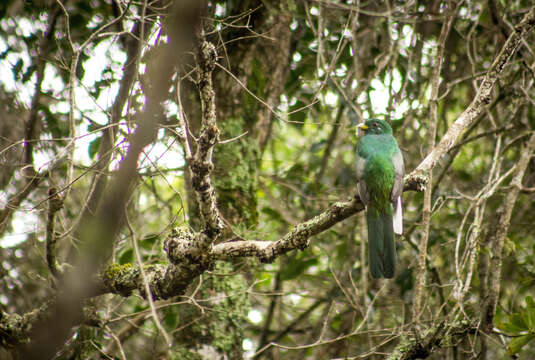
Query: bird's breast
(379, 175)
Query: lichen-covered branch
(297, 238)
(201, 164)
(192, 253)
(15, 329)
(123, 280)
(440, 336)
(186, 262)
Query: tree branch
(297, 238)
(134, 42)
(55, 203)
(442, 335)
(32, 125)
(201, 164)
(100, 230)
(483, 96)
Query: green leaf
(272, 213)
(53, 123)
(127, 257)
(515, 325)
(509, 328)
(265, 280)
(517, 343)
(171, 318)
(17, 68)
(296, 172)
(296, 268)
(148, 241)
(93, 147)
(519, 321)
(530, 313)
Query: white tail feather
(398, 217)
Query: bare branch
(30, 184)
(98, 232)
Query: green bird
(380, 173)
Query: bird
(380, 171)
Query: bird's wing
(363, 192)
(399, 173)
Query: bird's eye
(375, 125)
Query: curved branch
(297, 238)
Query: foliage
(521, 326)
(292, 80)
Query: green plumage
(380, 175)
(382, 249)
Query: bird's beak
(362, 127)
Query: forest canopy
(178, 179)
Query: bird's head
(375, 126)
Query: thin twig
(146, 283)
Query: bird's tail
(382, 249)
